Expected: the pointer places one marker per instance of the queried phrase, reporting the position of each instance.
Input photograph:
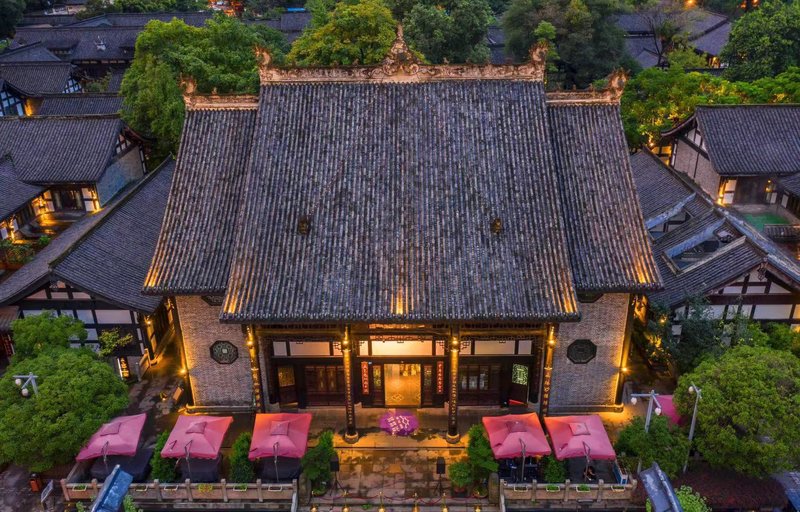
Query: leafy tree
(355, 32)
(77, 394)
(701, 338)
(748, 419)
(10, 14)
(588, 42)
(111, 340)
(664, 444)
(690, 501)
(162, 469)
(98, 7)
(453, 32)
(764, 42)
(316, 462)
(782, 337)
(686, 58)
(218, 56)
(479, 454)
(38, 333)
(241, 466)
(668, 22)
(554, 471)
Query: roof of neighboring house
(52, 20)
(35, 52)
(61, 149)
(15, 192)
(83, 43)
(791, 183)
(747, 140)
(714, 40)
(485, 207)
(643, 51)
(36, 78)
(112, 259)
(80, 104)
(657, 182)
(115, 82)
(291, 24)
(496, 40)
(141, 19)
(7, 315)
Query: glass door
(403, 385)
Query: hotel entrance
(403, 385)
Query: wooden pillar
(255, 368)
(547, 376)
(452, 417)
(351, 434)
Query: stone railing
(522, 496)
(258, 495)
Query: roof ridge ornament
(403, 65)
(611, 93)
(194, 101)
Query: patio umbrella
(199, 437)
(579, 436)
(280, 435)
(119, 436)
(516, 435)
(398, 422)
(668, 409)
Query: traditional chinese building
(705, 251)
(404, 235)
(737, 153)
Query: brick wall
(691, 162)
(213, 384)
(593, 384)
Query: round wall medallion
(581, 351)
(224, 352)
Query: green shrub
(241, 467)
(460, 474)
(664, 444)
(479, 454)
(162, 469)
(43, 241)
(689, 500)
(317, 461)
(553, 470)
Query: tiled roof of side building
(83, 43)
(141, 19)
(15, 193)
(401, 207)
(713, 41)
(748, 140)
(36, 78)
(111, 260)
(80, 104)
(63, 149)
(35, 52)
(659, 189)
(791, 183)
(194, 249)
(609, 246)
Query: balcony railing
(522, 496)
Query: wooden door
(287, 389)
(378, 398)
(427, 385)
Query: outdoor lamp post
(698, 394)
(22, 381)
(653, 400)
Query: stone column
(452, 418)
(547, 376)
(351, 434)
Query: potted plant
(241, 466)
(460, 474)
(162, 469)
(316, 463)
(481, 460)
(553, 470)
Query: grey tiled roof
(114, 84)
(751, 140)
(401, 205)
(69, 149)
(80, 104)
(713, 41)
(15, 193)
(643, 50)
(36, 78)
(28, 53)
(791, 183)
(118, 19)
(111, 260)
(608, 243)
(83, 43)
(659, 189)
(200, 224)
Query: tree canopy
(663, 443)
(655, 100)
(77, 394)
(690, 501)
(588, 42)
(218, 56)
(10, 14)
(98, 7)
(748, 419)
(764, 42)
(353, 32)
(38, 333)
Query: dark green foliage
(241, 467)
(453, 31)
(10, 14)
(764, 43)
(316, 462)
(554, 471)
(701, 338)
(98, 7)
(77, 394)
(748, 419)
(354, 32)
(43, 241)
(162, 469)
(782, 337)
(588, 43)
(460, 474)
(38, 333)
(479, 454)
(664, 444)
(218, 56)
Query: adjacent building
(23, 84)
(404, 235)
(707, 252)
